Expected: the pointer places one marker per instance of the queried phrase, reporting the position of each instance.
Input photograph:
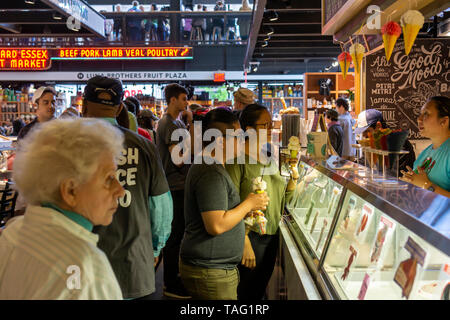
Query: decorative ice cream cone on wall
(357, 53)
(412, 21)
(390, 31)
(344, 61)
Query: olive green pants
(209, 284)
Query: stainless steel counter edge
(425, 213)
(306, 278)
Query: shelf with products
(325, 88)
(275, 105)
(364, 242)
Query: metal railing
(156, 28)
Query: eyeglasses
(267, 125)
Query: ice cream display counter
(359, 241)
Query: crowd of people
(199, 29)
(106, 202)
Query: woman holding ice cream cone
(256, 174)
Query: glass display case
(363, 242)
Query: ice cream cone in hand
(259, 185)
(412, 21)
(344, 61)
(294, 146)
(390, 31)
(357, 52)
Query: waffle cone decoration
(344, 61)
(357, 53)
(390, 31)
(412, 21)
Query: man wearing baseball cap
(367, 122)
(44, 98)
(142, 223)
(146, 121)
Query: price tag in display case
(364, 287)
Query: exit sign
(219, 77)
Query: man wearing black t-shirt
(141, 225)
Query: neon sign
(219, 77)
(40, 59)
(24, 59)
(159, 53)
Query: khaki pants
(209, 284)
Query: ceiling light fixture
(57, 16)
(30, 1)
(335, 63)
(270, 31)
(265, 44)
(273, 16)
(267, 38)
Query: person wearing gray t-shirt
(213, 242)
(176, 98)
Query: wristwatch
(429, 186)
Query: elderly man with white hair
(66, 172)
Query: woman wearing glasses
(260, 250)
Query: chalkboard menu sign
(399, 88)
(332, 7)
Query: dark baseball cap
(99, 84)
(147, 113)
(368, 118)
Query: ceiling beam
(257, 17)
(298, 23)
(11, 28)
(291, 58)
(290, 34)
(51, 35)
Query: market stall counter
(360, 241)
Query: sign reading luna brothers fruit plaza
(400, 87)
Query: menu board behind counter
(399, 88)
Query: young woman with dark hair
(260, 250)
(214, 237)
(347, 124)
(432, 168)
(335, 132)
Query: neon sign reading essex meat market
(40, 59)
